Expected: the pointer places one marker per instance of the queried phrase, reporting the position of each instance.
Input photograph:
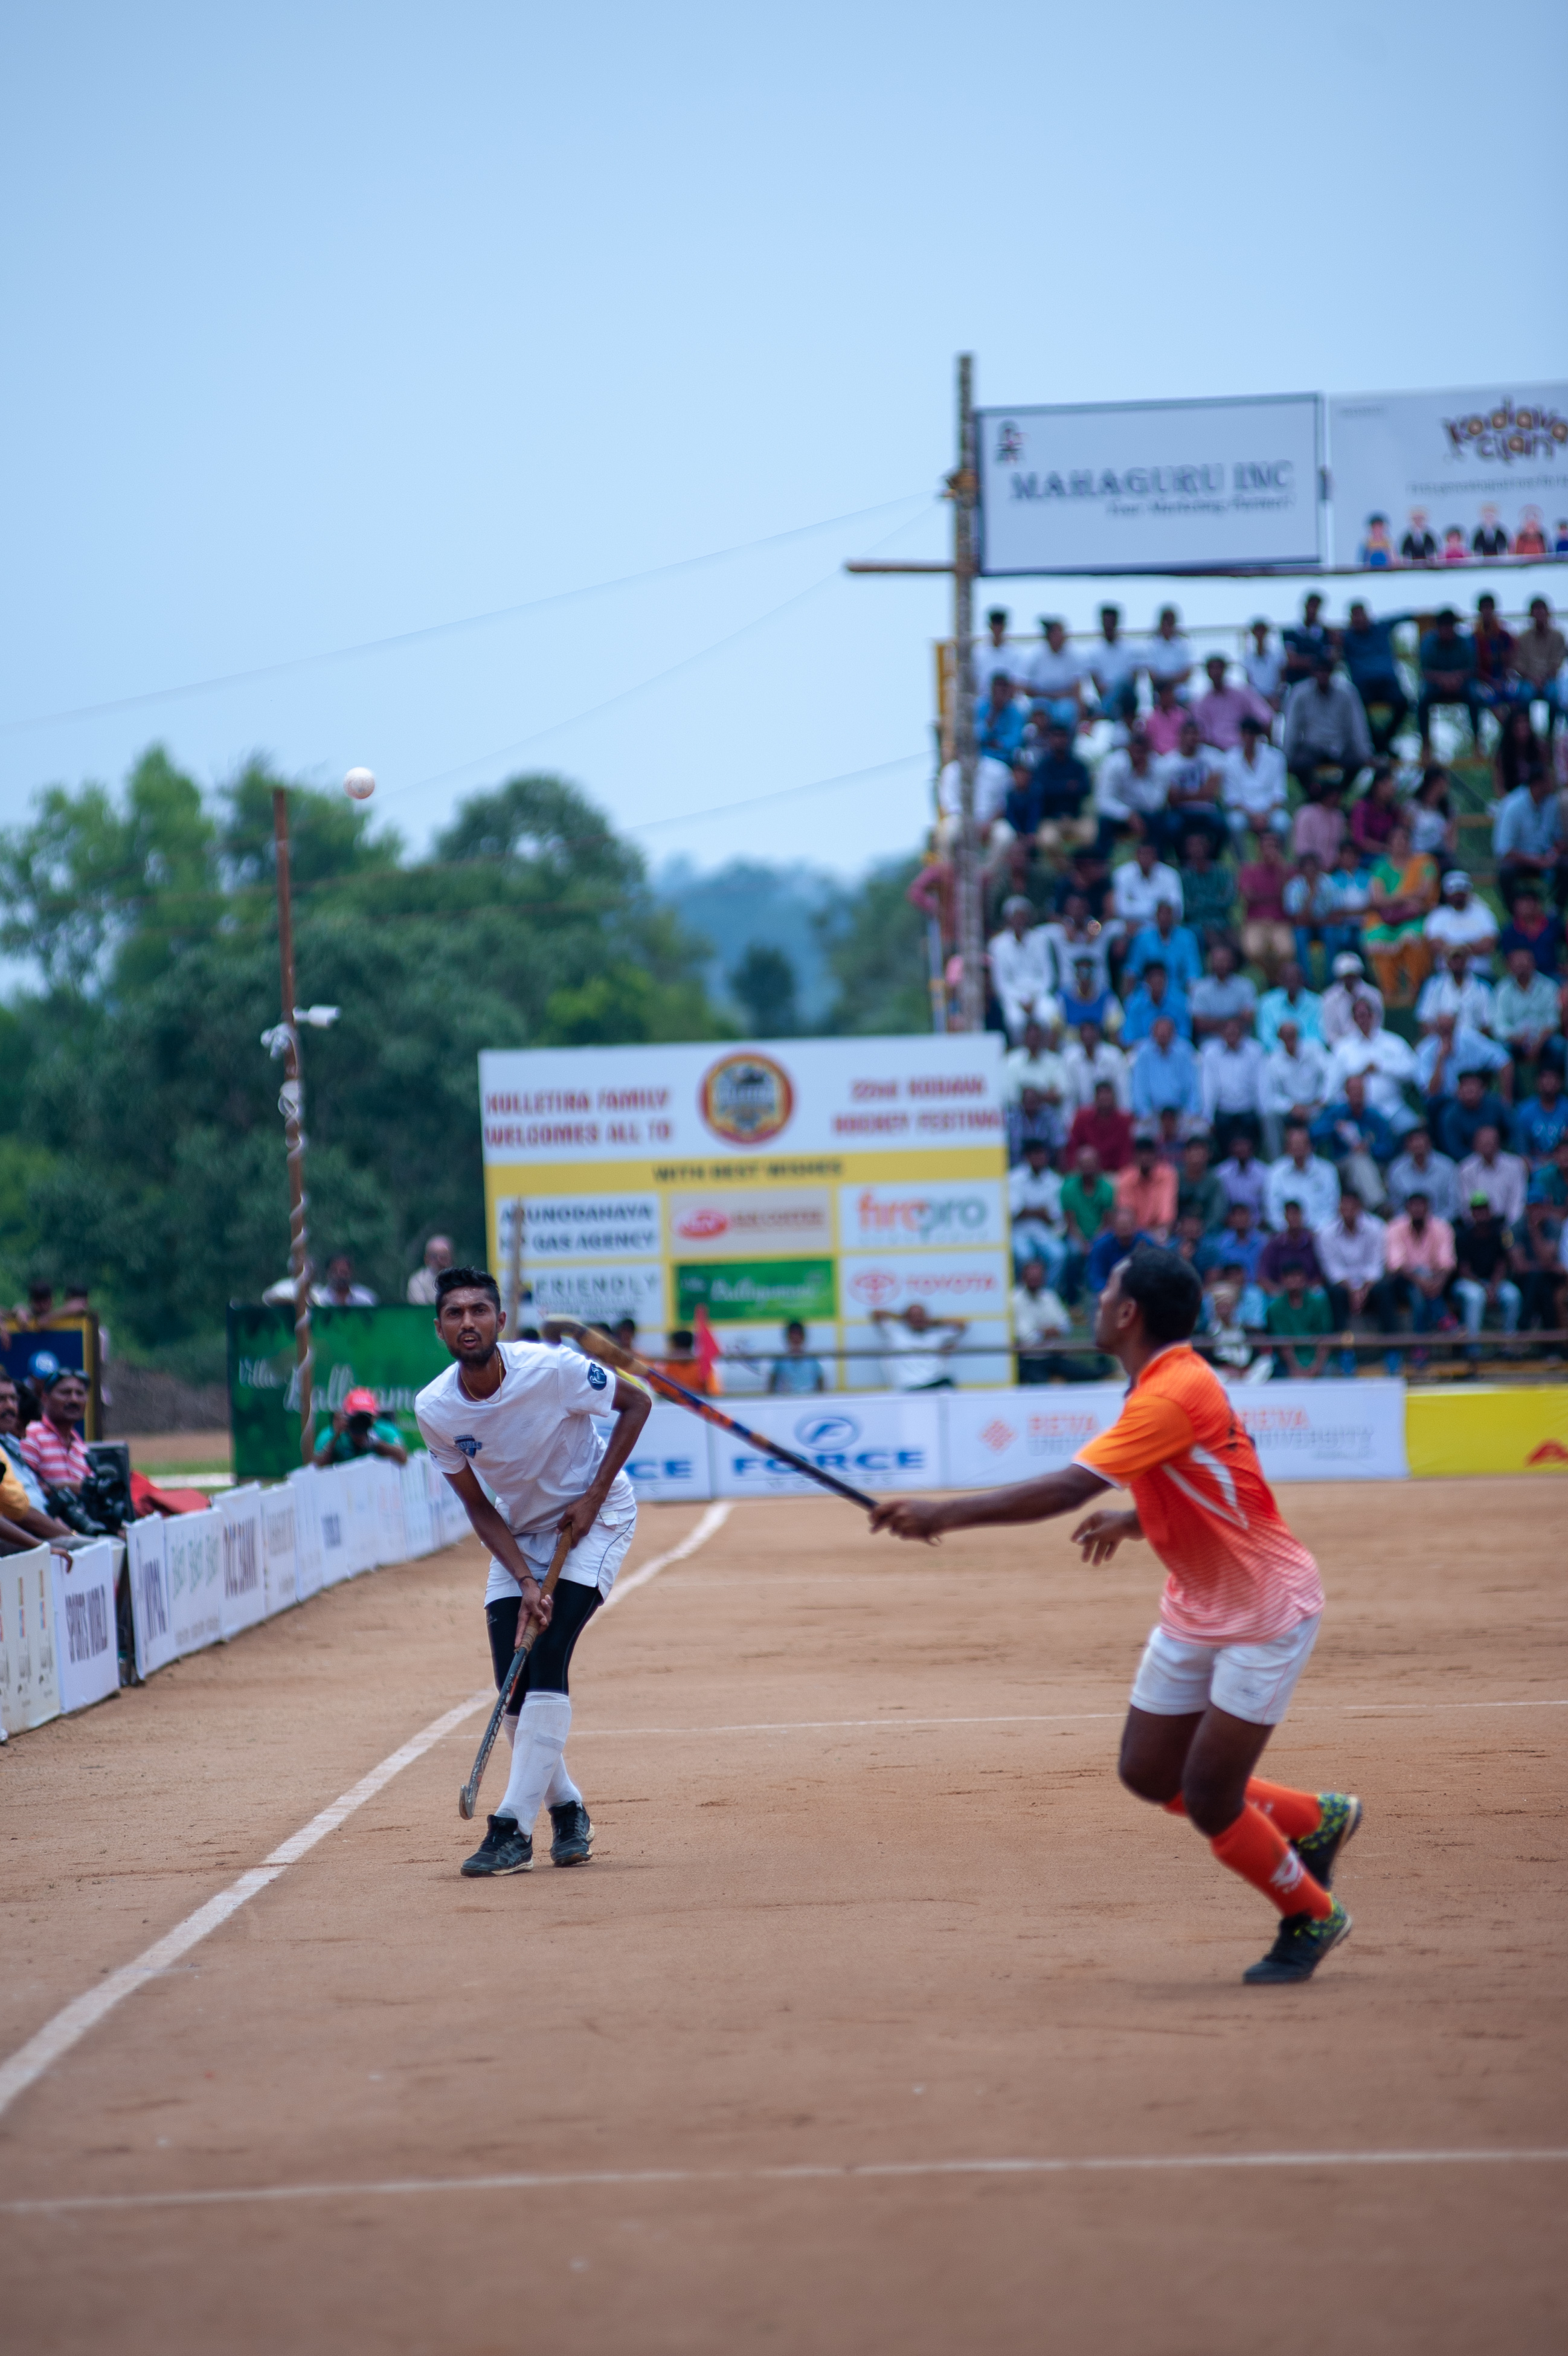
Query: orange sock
(1257, 1849)
(1295, 1813)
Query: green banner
(755, 1292)
(393, 1352)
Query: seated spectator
(1266, 936)
(1483, 1255)
(1450, 1048)
(1034, 1202)
(1222, 711)
(421, 1287)
(1295, 1085)
(1113, 664)
(341, 1291)
(1367, 647)
(1243, 1177)
(1337, 1014)
(1208, 887)
(1376, 815)
(1038, 1065)
(1265, 666)
(1497, 684)
(28, 1513)
(1110, 1245)
(1053, 676)
(1221, 993)
(52, 1446)
(1502, 1177)
(1461, 920)
(1147, 1186)
(992, 653)
(1527, 842)
(797, 1374)
(1167, 656)
(1546, 1217)
(1403, 890)
(1173, 944)
(1300, 1176)
(1129, 792)
(1165, 1071)
(1325, 732)
(359, 1429)
(1347, 890)
(1232, 1310)
(1447, 675)
(1191, 780)
(1319, 827)
(1141, 884)
(1170, 1127)
(1231, 1069)
(1091, 1058)
(1021, 968)
(1311, 907)
(1530, 927)
(1088, 1201)
(1299, 1313)
(1355, 1136)
(1031, 1117)
(1540, 653)
(1520, 756)
(1306, 642)
(1292, 1002)
(1472, 1107)
(1199, 1195)
(1525, 1011)
(1103, 1124)
(1073, 936)
(992, 783)
(916, 1347)
(1418, 1169)
(1088, 1000)
(1037, 1316)
(1163, 722)
(1380, 1057)
(1432, 826)
(1352, 1248)
(1294, 1246)
(1061, 791)
(1419, 1249)
(1540, 1123)
(1455, 989)
(1238, 1244)
(999, 721)
(1253, 784)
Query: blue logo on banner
(826, 1430)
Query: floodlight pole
(962, 485)
(291, 1104)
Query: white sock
(561, 1788)
(541, 1739)
(508, 1728)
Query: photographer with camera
(358, 1429)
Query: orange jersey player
(1237, 1619)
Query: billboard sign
(1151, 486)
(1430, 480)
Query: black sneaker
(1302, 1943)
(573, 1841)
(1319, 1852)
(506, 1848)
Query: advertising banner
(304, 1481)
(1483, 1429)
(334, 1522)
(29, 1671)
(995, 1437)
(391, 1351)
(759, 1185)
(1326, 1430)
(1151, 486)
(193, 1547)
(877, 1444)
(146, 1565)
(1432, 480)
(85, 1644)
(279, 1548)
(244, 1579)
(670, 1464)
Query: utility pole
(963, 484)
(291, 1104)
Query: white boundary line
(1170, 2163)
(22, 2069)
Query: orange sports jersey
(1237, 1575)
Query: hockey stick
(595, 1345)
(470, 1791)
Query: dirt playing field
(867, 1905)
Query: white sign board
(244, 1571)
(997, 1437)
(279, 1548)
(874, 1444)
(146, 1563)
(193, 1547)
(1440, 479)
(30, 1674)
(85, 1643)
(1150, 487)
(305, 1482)
(1326, 1430)
(668, 1465)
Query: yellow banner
(1489, 1429)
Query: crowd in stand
(1257, 1006)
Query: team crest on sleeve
(468, 1444)
(597, 1380)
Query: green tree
(876, 948)
(764, 983)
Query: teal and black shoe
(1320, 1850)
(1302, 1943)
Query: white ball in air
(361, 783)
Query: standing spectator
(1501, 1177)
(1337, 1014)
(1319, 827)
(1103, 1124)
(1222, 713)
(1307, 642)
(1461, 920)
(1300, 1176)
(1039, 1316)
(1483, 1253)
(1129, 792)
(1403, 892)
(1207, 889)
(1524, 1009)
(797, 1374)
(1147, 1187)
(1167, 942)
(1294, 1084)
(1267, 938)
(1090, 1059)
(1155, 1000)
(1232, 1070)
(1352, 1248)
(1252, 782)
(1165, 1075)
(1448, 676)
(1034, 1202)
(1221, 993)
(1420, 1169)
(1053, 676)
(992, 653)
(1162, 722)
(1367, 647)
(52, 1446)
(1432, 826)
(1191, 780)
(1141, 884)
(1530, 927)
(1542, 1121)
(1021, 968)
(1167, 656)
(1420, 1254)
(341, 1291)
(1264, 666)
(1290, 1002)
(1540, 653)
(1527, 841)
(1114, 663)
(1299, 1313)
(421, 1289)
(1325, 732)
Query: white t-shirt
(533, 1446)
(1167, 657)
(1257, 784)
(1471, 927)
(914, 1362)
(1113, 660)
(993, 781)
(988, 658)
(1046, 672)
(1137, 895)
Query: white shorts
(1176, 1679)
(593, 1562)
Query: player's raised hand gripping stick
(598, 1346)
(527, 1631)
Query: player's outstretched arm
(1025, 1500)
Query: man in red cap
(359, 1429)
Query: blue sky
(328, 324)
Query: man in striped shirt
(53, 1446)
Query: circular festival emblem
(746, 1099)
